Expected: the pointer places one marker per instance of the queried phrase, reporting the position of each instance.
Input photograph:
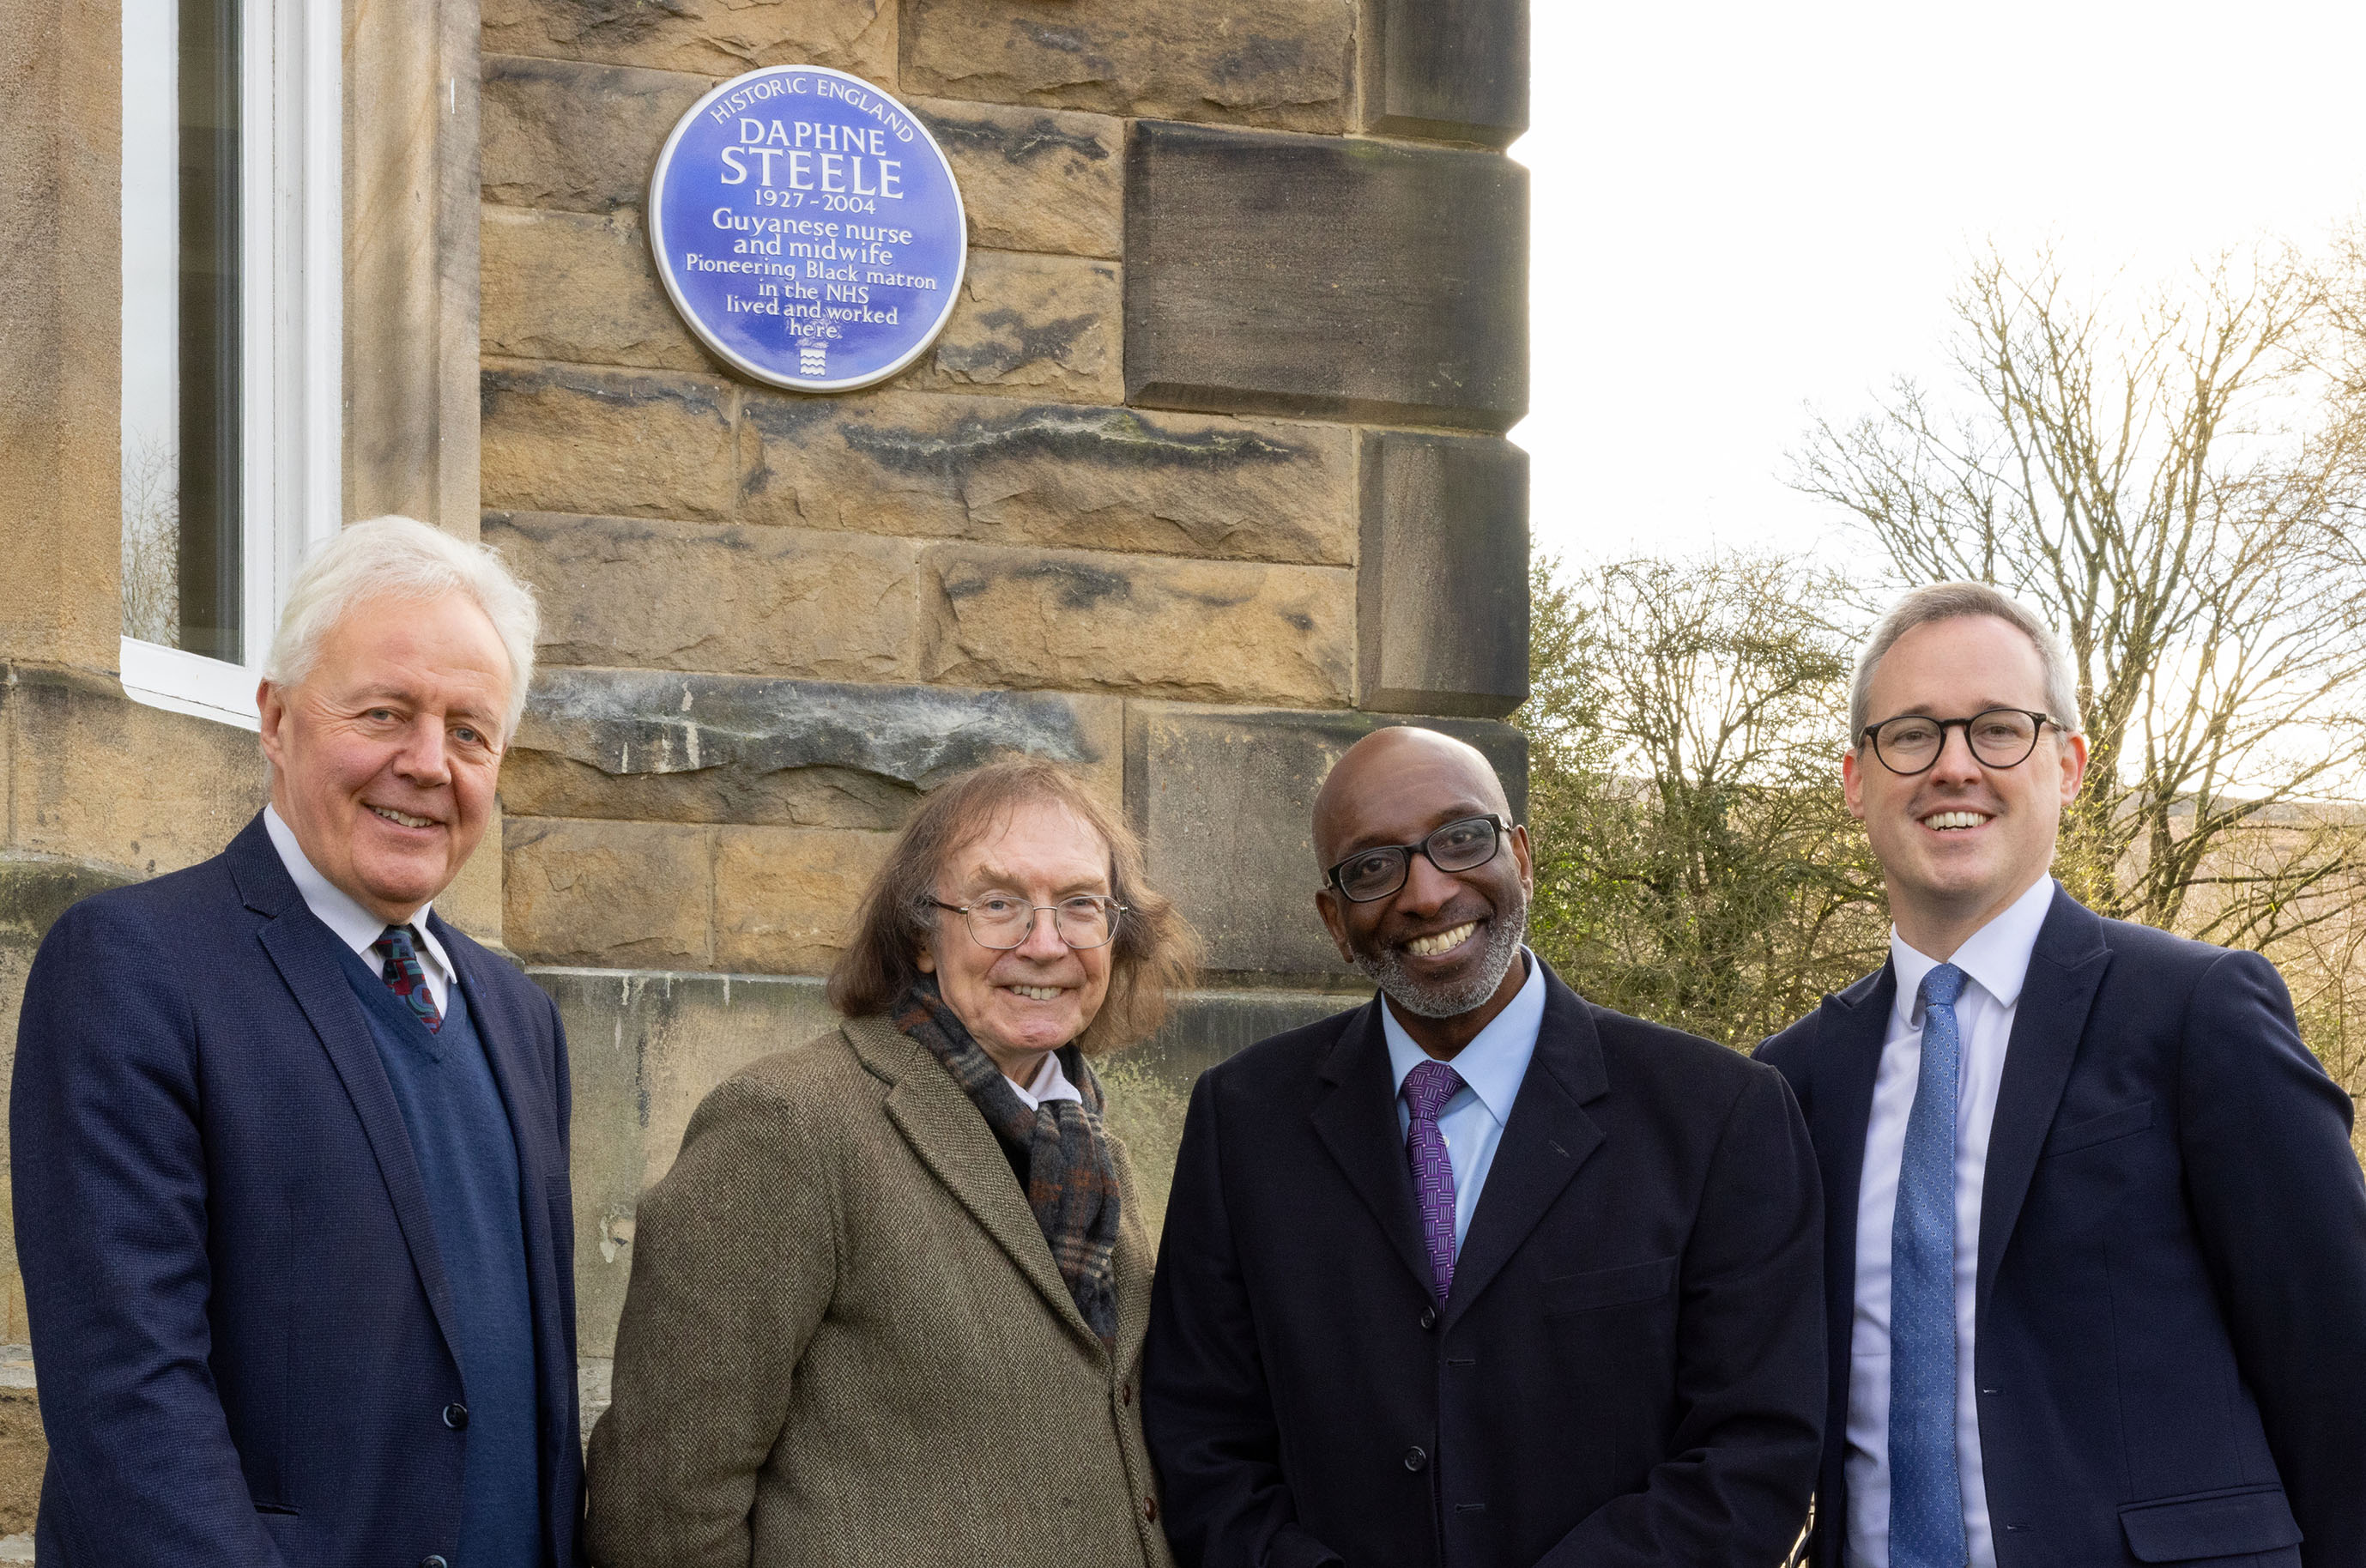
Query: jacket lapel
(1546, 1138)
(1852, 1029)
(305, 953)
(2065, 969)
(953, 1140)
(1355, 1117)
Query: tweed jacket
(845, 1342)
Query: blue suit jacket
(2170, 1351)
(1629, 1369)
(241, 1325)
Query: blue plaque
(809, 228)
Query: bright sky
(1742, 210)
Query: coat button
(455, 1416)
(1150, 1509)
(1429, 1317)
(1125, 1394)
(435, 1562)
(1416, 1459)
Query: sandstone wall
(1203, 479)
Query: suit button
(1150, 1509)
(1416, 1459)
(1125, 1394)
(1429, 1317)
(437, 1561)
(456, 1417)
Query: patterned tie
(1426, 1090)
(399, 953)
(1926, 1500)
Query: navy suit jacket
(241, 1325)
(1629, 1369)
(2170, 1340)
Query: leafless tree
(2173, 487)
(152, 547)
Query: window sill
(187, 682)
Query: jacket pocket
(2210, 1524)
(1602, 1288)
(2101, 1129)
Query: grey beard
(1504, 934)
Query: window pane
(183, 482)
(210, 586)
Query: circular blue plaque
(809, 228)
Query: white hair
(401, 557)
(1946, 601)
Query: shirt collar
(338, 910)
(1996, 956)
(1050, 1083)
(1496, 1060)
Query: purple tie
(1426, 1090)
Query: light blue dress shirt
(1491, 1068)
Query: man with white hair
(2095, 1241)
(290, 1152)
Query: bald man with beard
(1479, 1274)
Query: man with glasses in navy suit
(2095, 1240)
(1479, 1274)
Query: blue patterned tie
(1926, 1497)
(405, 977)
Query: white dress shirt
(351, 924)
(1995, 962)
(1491, 1068)
(1050, 1083)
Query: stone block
(621, 591)
(24, 1448)
(1032, 326)
(1276, 63)
(786, 898)
(544, 784)
(1453, 70)
(645, 1047)
(560, 133)
(566, 438)
(1052, 474)
(580, 287)
(1442, 580)
(101, 779)
(1035, 179)
(712, 37)
(1147, 626)
(1325, 275)
(1223, 801)
(611, 894)
(639, 744)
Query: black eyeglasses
(1999, 738)
(1003, 921)
(1380, 871)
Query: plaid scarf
(1071, 1178)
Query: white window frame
(292, 310)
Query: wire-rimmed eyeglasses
(1002, 921)
(1375, 873)
(1999, 738)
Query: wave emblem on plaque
(809, 228)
